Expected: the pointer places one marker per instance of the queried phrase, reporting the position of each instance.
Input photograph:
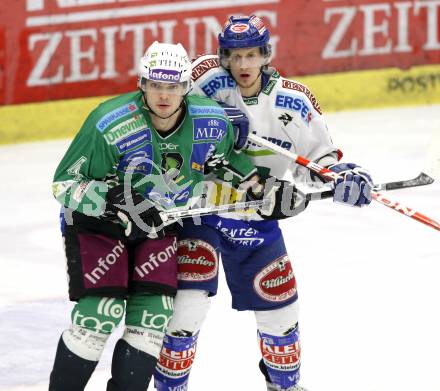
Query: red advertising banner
(61, 49)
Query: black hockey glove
(240, 124)
(140, 217)
(285, 201)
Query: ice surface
(368, 279)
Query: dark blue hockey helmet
(244, 32)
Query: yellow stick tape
(337, 91)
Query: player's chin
(246, 82)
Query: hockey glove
(216, 162)
(354, 186)
(240, 124)
(139, 216)
(285, 201)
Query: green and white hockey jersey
(118, 143)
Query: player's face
(245, 65)
(164, 98)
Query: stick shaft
(197, 212)
(332, 176)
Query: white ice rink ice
(368, 280)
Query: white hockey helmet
(165, 63)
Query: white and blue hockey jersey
(285, 112)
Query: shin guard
(281, 358)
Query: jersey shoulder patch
(111, 111)
(203, 64)
(201, 105)
(296, 86)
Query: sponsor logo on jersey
(250, 101)
(169, 146)
(196, 261)
(104, 264)
(285, 118)
(155, 259)
(125, 128)
(216, 83)
(269, 87)
(209, 129)
(282, 143)
(276, 282)
(114, 115)
(295, 103)
(138, 161)
(167, 75)
(291, 85)
(206, 110)
(200, 69)
(134, 141)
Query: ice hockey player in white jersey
(258, 270)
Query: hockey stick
(174, 215)
(332, 176)
(421, 180)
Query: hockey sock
(176, 359)
(281, 358)
(81, 346)
(135, 355)
(70, 372)
(131, 368)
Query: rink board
(338, 91)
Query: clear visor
(240, 59)
(157, 87)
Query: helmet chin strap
(148, 108)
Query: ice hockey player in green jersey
(135, 156)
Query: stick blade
(432, 163)
(421, 180)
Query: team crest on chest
(285, 118)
